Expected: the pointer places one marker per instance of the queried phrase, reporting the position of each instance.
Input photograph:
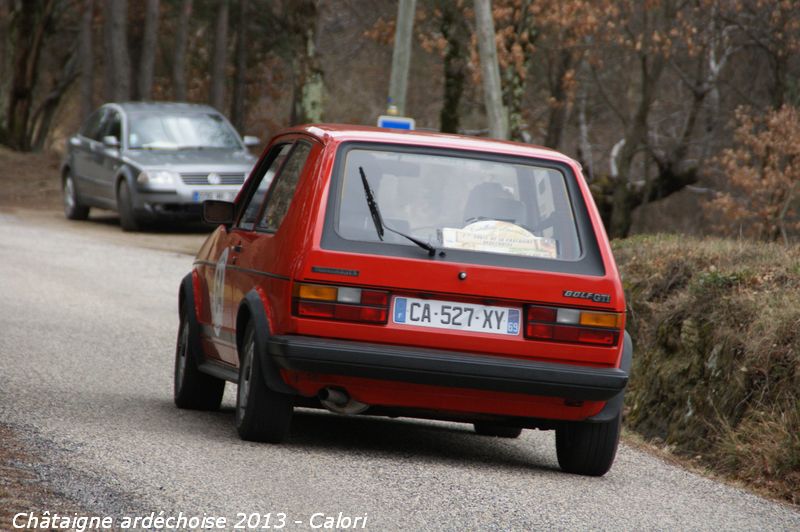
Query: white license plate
(223, 195)
(456, 316)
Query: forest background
(655, 97)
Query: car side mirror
(251, 141)
(110, 141)
(218, 212)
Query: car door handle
(237, 248)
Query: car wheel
(261, 414)
(127, 216)
(73, 209)
(193, 389)
(495, 429)
(588, 448)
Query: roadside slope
(716, 374)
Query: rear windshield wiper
(377, 219)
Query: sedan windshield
(464, 203)
(180, 131)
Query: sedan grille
(213, 179)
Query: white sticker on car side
(218, 296)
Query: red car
(410, 274)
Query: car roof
(164, 107)
(349, 132)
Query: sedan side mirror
(110, 141)
(251, 141)
(218, 212)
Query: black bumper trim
(446, 368)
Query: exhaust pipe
(340, 402)
(337, 397)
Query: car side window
(94, 125)
(253, 207)
(282, 193)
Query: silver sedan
(153, 160)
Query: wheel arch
(253, 308)
(123, 174)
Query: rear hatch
(467, 251)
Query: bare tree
(34, 19)
(42, 118)
(217, 92)
(239, 80)
(31, 108)
(116, 28)
(86, 54)
(149, 42)
(179, 59)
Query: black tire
(73, 209)
(497, 430)
(127, 216)
(193, 389)
(261, 414)
(588, 448)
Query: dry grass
(716, 376)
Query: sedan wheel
(73, 209)
(127, 216)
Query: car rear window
(459, 202)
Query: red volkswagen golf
(410, 274)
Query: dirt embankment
(716, 375)
(29, 180)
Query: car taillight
(572, 325)
(340, 303)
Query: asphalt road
(88, 320)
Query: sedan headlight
(157, 177)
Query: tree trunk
(401, 55)
(622, 202)
(558, 107)
(42, 118)
(86, 60)
(490, 70)
(585, 155)
(239, 80)
(313, 90)
(179, 59)
(217, 91)
(149, 43)
(456, 33)
(117, 27)
(34, 19)
(5, 56)
(108, 61)
(308, 87)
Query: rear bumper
(445, 368)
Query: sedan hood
(193, 160)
